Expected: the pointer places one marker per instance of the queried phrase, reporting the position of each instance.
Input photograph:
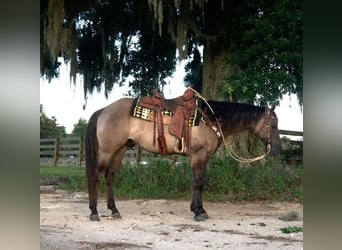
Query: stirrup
(183, 148)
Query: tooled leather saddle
(179, 114)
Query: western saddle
(183, 110)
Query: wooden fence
(70, 150)
(66, 150)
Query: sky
(64, 100)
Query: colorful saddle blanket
(148, 114)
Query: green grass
(225, 180)
(70, 178)
(291, 229)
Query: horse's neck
(229, 129)
(239, 121)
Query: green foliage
(268, 56)
(73, 178)
(195, 70)
(49, 126)
(292, 151)
(271, 180)
(152, 63)
(222, 178)
(79, 128)
(105, 42)
(290, 229)
(225, 180)
(157, 179)
(108, 42)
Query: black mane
(231, 114)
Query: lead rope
(236, 157)
(227, 143)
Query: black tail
(91, 146)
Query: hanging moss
(100, 48)
(73, 55)
(55, 36)
(58, 39)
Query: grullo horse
(112, 130)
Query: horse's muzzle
(275, 151)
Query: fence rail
(291, 133)
(70, 150)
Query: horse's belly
(144, 134)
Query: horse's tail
(91, 147)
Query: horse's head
(267, 130)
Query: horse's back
(114, 113)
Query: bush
(272, 180)
(225, 179)
(157, 179)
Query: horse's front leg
(198, 165)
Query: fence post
(81, 151)
(55, 160)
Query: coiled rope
(228, 143)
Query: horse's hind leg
(110, 175)
(198, 164)
(94, 180)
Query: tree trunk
(215, 72)
(215, 69)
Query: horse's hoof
(205, 216)
(116, 215)
(201, 217)
(94, 217)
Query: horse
(112, 130)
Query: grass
(291, 229)
(66, 177)
(225, 180)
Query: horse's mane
(235, 112)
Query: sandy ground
(164, 224)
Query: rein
(228, 143)
(235, 156)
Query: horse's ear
(271, 109)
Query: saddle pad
(148, 114)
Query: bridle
(267, 124)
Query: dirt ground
(164, 224)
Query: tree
(49, 126)
(109, 41)
(267, 59)
(195, 72)
(79, 128)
